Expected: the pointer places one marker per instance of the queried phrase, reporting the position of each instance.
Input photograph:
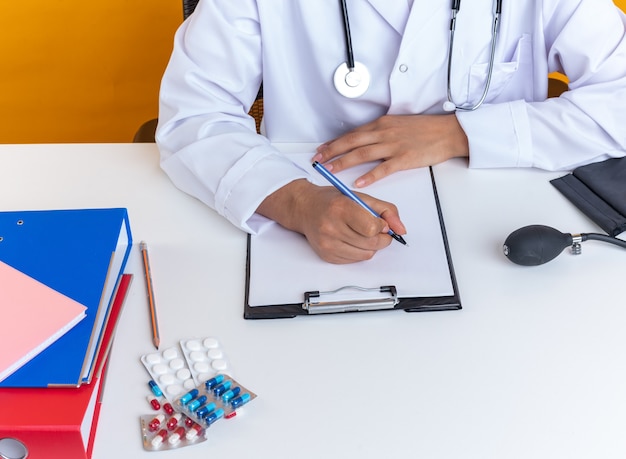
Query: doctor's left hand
(400, 141)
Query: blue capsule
(211, 383)
(228, 395)
(197, 403)
(189, 396)
(214, 416)
(241, 400)
(155, 389)
(205, 410)
(219, 390)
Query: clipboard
(352, 296)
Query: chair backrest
(188, 7)
(556, 87)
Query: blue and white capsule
(214, 416)
(197, 403)
(241, 400)
(219, 390)
(214, 381)
(155, 388)
(205, 410)
(230, 394)
(189, 396)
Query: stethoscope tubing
(348, 68)
(347, 35)
(456, 5)
(351, 78)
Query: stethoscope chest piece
(352, 83)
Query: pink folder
(32, 316)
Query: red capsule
(154, 402)
(155, 423)
(176, 435)
(194, 431)
(173, 421)
(168, 408)
(159, 438)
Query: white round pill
(210, 343)
(215, 354)
(167, 379)
(197, 356)
(177, 364)
(193, 345)
(219, 364)
(169, 354)
(183, 373)
(159, 369)
(201, 367)
(153, 358)
(189, 384)
(174, 389)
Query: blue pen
(348, 192)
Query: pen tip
(400, 239)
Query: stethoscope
(352, 79)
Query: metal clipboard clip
(350, 298)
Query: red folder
(60, 423)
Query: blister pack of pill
(160, 432)
(216, 398)
(169, 371)
(205, 358)
(181, 368)
(191, 389)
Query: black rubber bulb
(535, 245)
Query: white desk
(533, 366)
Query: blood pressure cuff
(599, 191)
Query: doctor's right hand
(337, 228)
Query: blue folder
(81, 253)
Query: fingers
(345, 232)
(380, 171)
(400, 141)
(347, 253)
(338, 229)
(388, 212)
(360, 155)
(394, 222)
(362, 146)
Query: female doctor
(382, 80)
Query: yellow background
(83, 71)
